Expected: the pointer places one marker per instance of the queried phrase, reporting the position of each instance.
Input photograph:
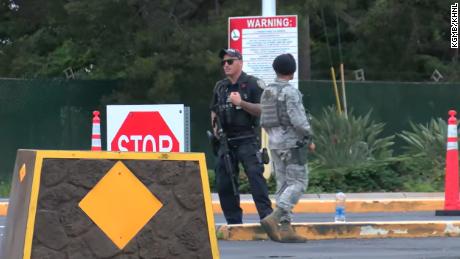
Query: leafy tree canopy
(166, 50)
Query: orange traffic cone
(96, 135)
(451, 200)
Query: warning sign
(261, 39)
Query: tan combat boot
(288, 235)
(271, 224)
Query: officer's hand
(235, 98)
(312, 147)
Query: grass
(5, 187)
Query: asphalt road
(397, 248)
(394, 248)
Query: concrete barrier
(76, 204)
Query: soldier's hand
(235, 98)
(312, 147)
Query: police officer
(289, 135)
(235, 104)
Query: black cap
(284, 64)
(231, 52)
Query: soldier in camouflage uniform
(289, 133)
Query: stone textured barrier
(75, 204)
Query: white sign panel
(145, 128)
(261, 39)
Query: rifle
(222, 141)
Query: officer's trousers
(247, 153)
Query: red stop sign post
(145, 132)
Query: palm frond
(428, 140)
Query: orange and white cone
(96, 135)
(451, 200)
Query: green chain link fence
(56, 114)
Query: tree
(169, 44)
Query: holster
(265, 156)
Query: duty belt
(241, 137)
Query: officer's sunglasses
(228, 61)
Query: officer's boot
(288, 235)
(271, 224)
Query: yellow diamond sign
(120, 205)
(22, 173)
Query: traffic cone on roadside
(451, 200)
(96, 135)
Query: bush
(427, 145)
(351, 157)
(407, 173)
(428, 140)
(343, 142)
(212, 180)
(367, 177)
(5, 188)
(403, 173)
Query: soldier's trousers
(289, 167)
(248, 155)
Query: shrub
(366, 177)
(5, 188)
(343, 142)
(402, 173)
(428, 140)
(427, 145)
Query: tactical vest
(273, 104)
(233, 118)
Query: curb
(349, 230)
(352, 205)
(3, 208)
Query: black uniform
(236, 122)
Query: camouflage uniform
(287, 125)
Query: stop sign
(146, 132)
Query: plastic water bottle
(340, 207)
